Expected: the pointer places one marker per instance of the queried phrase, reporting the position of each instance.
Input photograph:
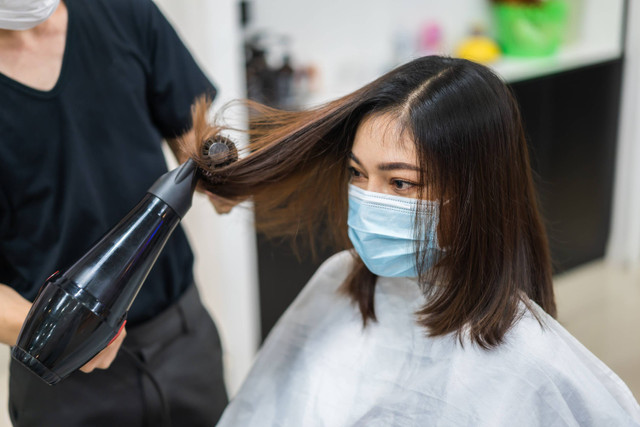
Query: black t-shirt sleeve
(174, 80)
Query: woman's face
(383, 159)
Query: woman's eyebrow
(396, 166)
(354, 158)
(389, 166)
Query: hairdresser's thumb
(220, 204)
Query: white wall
(351, 42)
(624, 242)
(224, 246)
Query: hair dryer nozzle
(176, 187)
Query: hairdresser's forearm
(13, 311)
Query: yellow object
(479, 49)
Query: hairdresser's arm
(220, 204)
(13, 311)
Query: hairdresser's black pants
(178, 352)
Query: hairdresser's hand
(13, 310)
(104, 359)
(220, 204)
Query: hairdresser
(88, 91)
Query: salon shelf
(568, 58)
(511, 69)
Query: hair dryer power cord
(166, 417)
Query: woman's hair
(472, 152)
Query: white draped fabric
(319, 367)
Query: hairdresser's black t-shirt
(76, 159)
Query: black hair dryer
(79, 312)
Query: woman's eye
(402, 185)
(354, 173)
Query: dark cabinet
(571, 121)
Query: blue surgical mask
(381, 228)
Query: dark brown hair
(472, 150)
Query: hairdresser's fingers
(221, 205)
(105, 358)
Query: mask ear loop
(427, 271)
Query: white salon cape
(319, 367)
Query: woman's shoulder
(539, 368)
(537, 340)
(551, 362)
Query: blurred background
(574, 66)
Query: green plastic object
(528, 30)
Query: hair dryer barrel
(77, 313)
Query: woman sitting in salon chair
(440, 309)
